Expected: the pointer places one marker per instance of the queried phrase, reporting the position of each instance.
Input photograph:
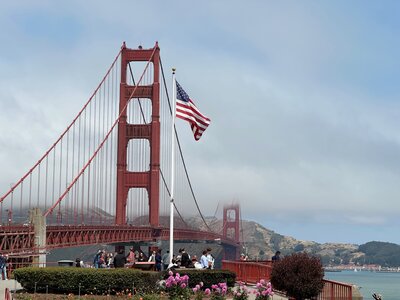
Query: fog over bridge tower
(231, 229)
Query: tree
(299, 275)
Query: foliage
(384, 254)
(198, 292)
(207, 277)
(177, 286)
(264, 290)
(218, 291)
(87, 281)
(299, 275)
(241, 292)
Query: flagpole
(171, 216)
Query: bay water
(385, 283)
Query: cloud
(302, 97)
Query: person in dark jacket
(185, 259)
(119, 259)
(158, 260)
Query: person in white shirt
(210, 259)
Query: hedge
(85, 280)
(62, 280)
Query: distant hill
(260, 243)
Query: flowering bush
(177, 286)
(264, 290)
(218, 291)
(198, 292)
(241, 292)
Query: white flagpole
(171, 216)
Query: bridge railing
(254, 271)
(249, 271)
(336, 290)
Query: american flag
(187, 110)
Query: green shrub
(299, 275)
(89, 281)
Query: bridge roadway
(20, 239)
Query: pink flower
(195, 289)
(207, 292)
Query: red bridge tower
(149, 179)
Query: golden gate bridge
(105, 180)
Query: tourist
(141, 257)
(204, 260)
(172, 265)
(185, 260)
(277, 256)
(195, 263)
(158, 260)
(79, 263)
(152, 257)
(165, 259)
(210, 258)
(96, 260)
(3, 266)
(119, 259)
(131, 258)
(110, 260)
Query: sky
(303, 98)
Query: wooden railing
(254, 271)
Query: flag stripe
(187, 110)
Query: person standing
(277, 256)
(131, 258)
(119, 259)
(165, 260)
(3, 266)
(185, 260)
(158, 260)
(210, 258)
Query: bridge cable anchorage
(50, 210)
(181, 153)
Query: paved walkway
(252, 296)
(11, 284)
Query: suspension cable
(101, 144)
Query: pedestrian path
(252, 295)
(11, 284)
